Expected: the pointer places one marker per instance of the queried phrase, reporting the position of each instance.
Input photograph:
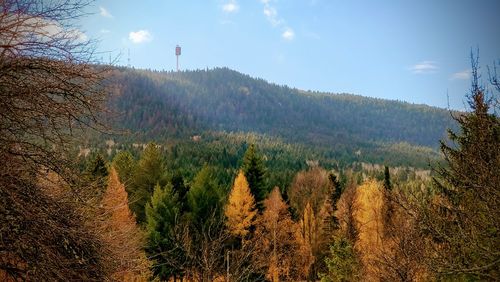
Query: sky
(414, 51)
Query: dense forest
(118, 174)
(190, 102)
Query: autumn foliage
(122, 235)
(240, 209)
(280, 250)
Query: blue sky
(415, 51)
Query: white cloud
(288, 34)
(272, 16)
(105, 13)
(230, 7)
(424, 67)
(461, 75)
(140, 36)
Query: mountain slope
(185, 103)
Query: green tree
(124, 164)
(164, 247)
(335, 193)
(463, 219)
(342, 262)
(97, 173)
(181, 189)
(254, 169)
(96, 168)
(204, 198)
(387, 179)
(150, 171)
(207, 232)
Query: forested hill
(190, 102)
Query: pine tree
(389, 209)
(335, 193)
(342, 263)
(163, 244)
(124, 164)
(254, 169)
(181, 189)
(204, 199)
(387, 179)
(240, 208)
(150, 171)
(96, 174)
(121, 234)
(97, 170)
(463, 220)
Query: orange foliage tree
(240, 209)
(279, 248)
(121, 234)
(309, 198)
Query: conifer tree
(163, 247)
(124, 164)
(240, 208)
(204, 199)
(150, 171)
(96, 174)
(463, 220)
(279, 248)
(335, 193)
(121, 234)
(181, 189)
(342, 263)
(387, 179)
(254, 169)
(97, 170)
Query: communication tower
(177, 54)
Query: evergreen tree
(240, 208)
(335, 193)
(97, 173)
(342, 262)
(181, 189)
(124, 164)
(253, 167)
(204, 199)
(150, 171)
(96, 168)
(463, 220)
(387, 179)
(389, 208)
(163, 247)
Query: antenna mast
(177, 54)
(128, 58)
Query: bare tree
(49, 89)
(49, 84)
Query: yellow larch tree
(369, 217)
(279, 247)
(121, 234)
(240, 208)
